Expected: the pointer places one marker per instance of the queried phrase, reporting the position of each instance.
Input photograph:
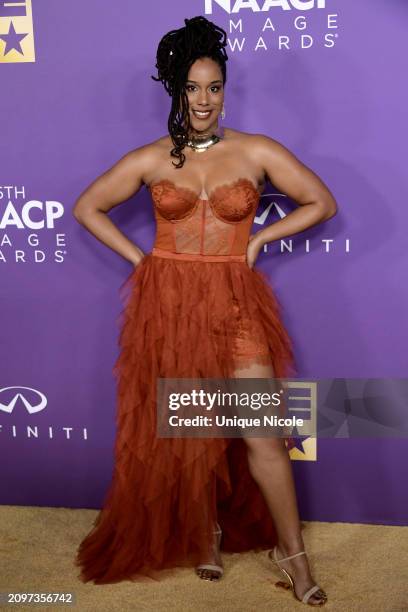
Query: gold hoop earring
(223, 111)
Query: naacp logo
(22, 220)
(16, 32)
(235, 6)
(277, 25)
(32, 399)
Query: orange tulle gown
(192, 308)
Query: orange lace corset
(217, 229)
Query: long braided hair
(177, 51)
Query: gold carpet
(363, 568)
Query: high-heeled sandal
(291, 585)
(210, 571)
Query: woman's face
(205, 93)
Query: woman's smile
(201, 114)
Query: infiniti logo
(287, 244)
(38, 403)
(260, 219)
(34, 401)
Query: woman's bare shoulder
(262, 142)
(145, 157)
(255, 140)
(152, 149)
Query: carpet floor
(361, 567)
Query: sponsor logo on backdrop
(281, 25)
(20, 401)
(302, 402)
(32, 399)
(16, 31)
(29, 228)
(274, 208)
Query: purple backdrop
(325, 80)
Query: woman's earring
(223, 111)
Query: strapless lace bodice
(204, 228)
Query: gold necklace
(199, 144)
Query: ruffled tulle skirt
(182, 319)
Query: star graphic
(12, 40)
(298, 441)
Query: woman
(196, 307)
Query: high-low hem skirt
(183, 319)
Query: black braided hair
(177, 51)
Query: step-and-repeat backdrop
(325, 78)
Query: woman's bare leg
(270, 466)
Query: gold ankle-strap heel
(314, 590)
(210, 571)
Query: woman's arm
(298, 182)
(113, 187)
